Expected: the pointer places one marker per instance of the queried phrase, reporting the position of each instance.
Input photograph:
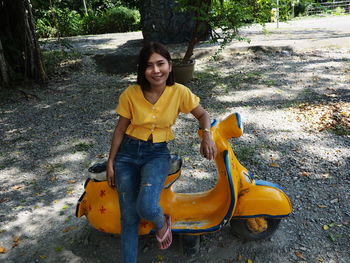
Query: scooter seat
(175, 164)
(98, 168)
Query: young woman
(139, 159)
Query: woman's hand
(117, 138)
(208, 148)
(110, 175)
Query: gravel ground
(50, 137)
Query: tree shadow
(48, 144)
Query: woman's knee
(148, 208)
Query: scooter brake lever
(98, 167)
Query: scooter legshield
(262, 199)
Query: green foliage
(58, 22)
(60, 19)
(69, 22)
(58, 62)
(301, 6)
(224, 18)
(82, 147)
(338, 11)
(116, 19)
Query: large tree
(20, 57)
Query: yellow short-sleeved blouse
(155, 119)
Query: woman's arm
(117, 138)
(207, 148)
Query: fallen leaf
(72, 181)
(325, 227)
(16, 187)
(322, 206)
(275, 165)
(6, 199)
(331, 237)
(58, 248)
(3, 250)
(16, 241)
(299, 255)
(249, 261)
(69, 192)
(53, 178)
(69, 228)
(42, 256)
(304, 174)
(239, 257)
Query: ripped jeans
(140, 171)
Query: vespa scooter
(254, 208)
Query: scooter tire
(240, 229)
(190, 244)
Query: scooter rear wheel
(240, 228)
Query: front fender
(262, 199)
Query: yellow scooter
(254, 208)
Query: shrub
(69, 22)
(44, 29)
(59, 62)
(58, 22)
(113, 20)
(338, 11)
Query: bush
(69, 22)
(64, 22)
(116, 19)
(59, 62)
(338, 11)
(58, 22)
(44, 28)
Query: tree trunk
(162, 23)
(20, 57)
(200, 32)
(85, 8)
(4, 79)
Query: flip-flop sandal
(165, 241)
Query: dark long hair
(145, 53)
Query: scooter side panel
(100, 204)
(262, 200)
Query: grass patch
(246, 154)
(59, 62)
(82, 147)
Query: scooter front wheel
(254, 228)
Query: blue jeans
(140, 171)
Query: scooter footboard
(262, 199)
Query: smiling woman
(139, 158)
(157, 72)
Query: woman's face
(157, 70)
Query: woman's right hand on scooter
(110, 175)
